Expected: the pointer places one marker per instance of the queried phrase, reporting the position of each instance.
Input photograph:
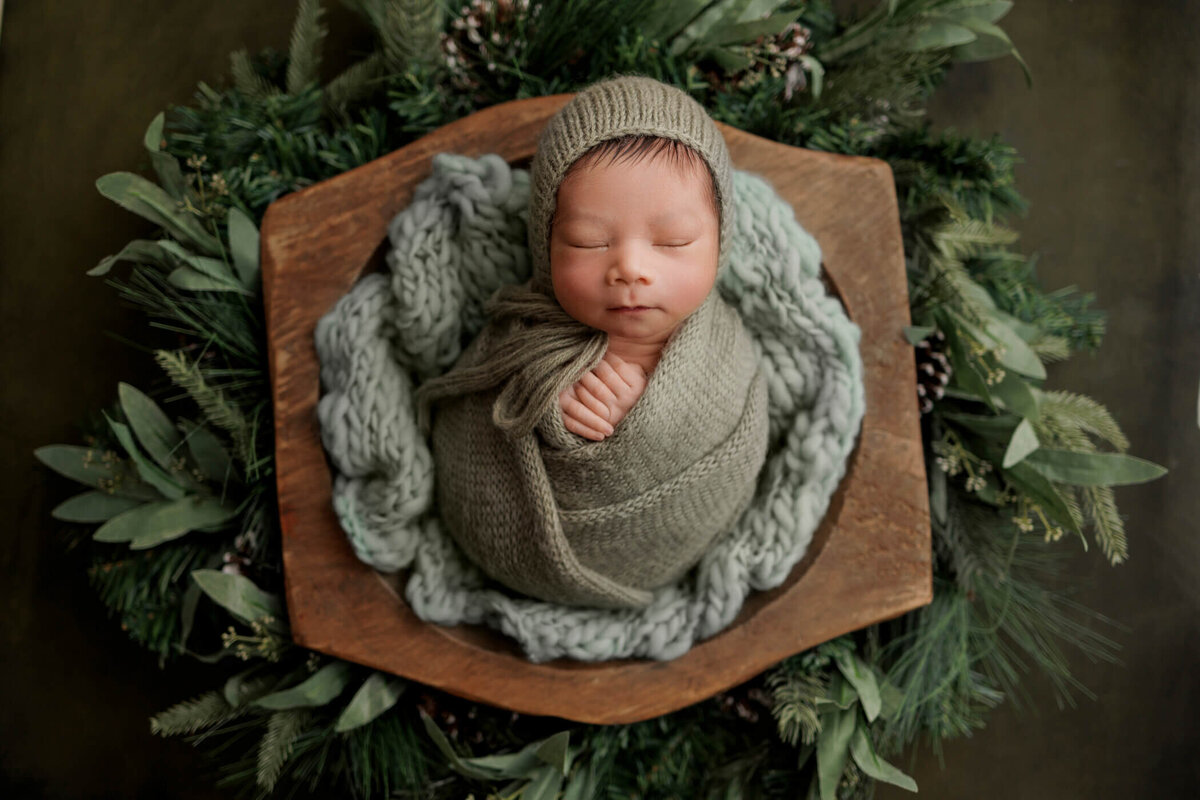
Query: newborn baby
(610, 420)
(634, 244)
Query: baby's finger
(575, 426)
(572, 408)
(603, 390)
(632, 373)
(610, 376)
(589, 398)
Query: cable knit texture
(463, 237)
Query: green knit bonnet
(619, 106)
(542, 350)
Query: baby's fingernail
(608, 429)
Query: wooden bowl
(869, 559)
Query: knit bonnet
(620, 106)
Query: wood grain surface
(869, 559)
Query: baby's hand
(594, 404)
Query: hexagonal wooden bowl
(869, 559)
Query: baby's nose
(629, 266)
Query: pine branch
(283, 729)
(246, 78)
(304, 50)
(1101, 507)
(213, 403)
(355, 82)
(1050, 347)
(1082, 413)
(794, 698)
(190, 716)
(409, 30)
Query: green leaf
(150, 424)
(165, 164)
(1015, 394)
(915, 334)
(377, 694)
(239, 690)
(193, 281)
(94, 506)
(995, 427)
(937, 495)
(544, 784)
(1024, 441)
(239, 596)
(457, 764)
(966, 377)
(833, 747)
(862, 679)
(939, 35)
(87, 466)
(672, 16)
(153, 523)
(869, 762)
(211, 457)
(730, 59)
(322, 687)
(1017, 355)
(816, 72)
(747, 32)
(151, 473)
(1093, 469)
(139, 251)
(720, 14)
(984, 10)
(1041, 491)
(148, 200)
(244, 247)
(840, 693)
(555, 751)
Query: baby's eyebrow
(663, 217)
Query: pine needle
(304, 49)
(794, 707)
(1101, 507)
(355, 82)
(283, 728)
(213, 403)
(246, 78)
(193, 715)
(1084, 414)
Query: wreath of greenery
(180, 514)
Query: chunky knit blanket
(464, 236)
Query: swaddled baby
(610, 421)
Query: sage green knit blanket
(462, 237)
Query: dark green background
(1108, 135)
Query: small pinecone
(459, 719)
(747, 702)
(933, 370)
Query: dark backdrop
(1108, 135)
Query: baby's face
(634, 246)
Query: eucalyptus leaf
(128, 525)
(996, 427)
(211, 457)
(452, 758)
(187, 514)
(244, 247)
(239, 596)
(139, 251)
(869, 762)
(165, 165)
(1032, 483)
(148, 200)
(544, 784)
(87, 466)
(966, 377)
(939, 35)
(187, 612)
(937, 495)
(840, 693)
(833, 746)
(860, 676)
(555, 751)
(730, 59)
(93, 506)
(983, 10)
(891, 698)
(1016, 395)
(320, 688)
(1024, 441)
(1093, 469)
(672, 16)
(150, 472)
(190, 279)
(716, 17)
(1017, 354)
(214, 268)
(150, 424)
(746, 32)
(377, 694)
(915, 334)
(238, 689)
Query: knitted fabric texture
(463, 237)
